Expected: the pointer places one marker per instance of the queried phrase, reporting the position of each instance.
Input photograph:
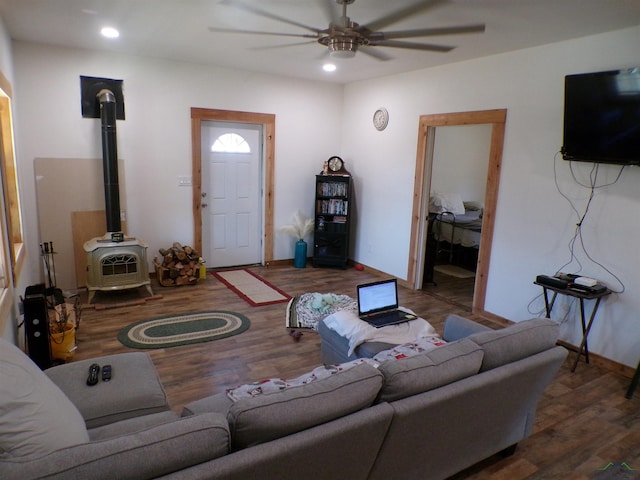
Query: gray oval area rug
(174, 330)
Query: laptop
(378, 304)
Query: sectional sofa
(423, 417)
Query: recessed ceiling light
(329, 67)
(110, 32)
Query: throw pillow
(517, 341)
(36, 418)
(432, 369)
(265, 417)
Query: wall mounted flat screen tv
(602, 117)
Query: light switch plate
(184, 182)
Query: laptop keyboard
(388, 318)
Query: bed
(454, 232)
(462, 229)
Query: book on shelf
(332, 189)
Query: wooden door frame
(426, 136)
(268, 121)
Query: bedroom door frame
(422, 187)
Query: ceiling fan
(344, 37)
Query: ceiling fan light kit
(343, 37)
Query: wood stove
(116, 265)
(114, 262)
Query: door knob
(203, 194)
(205, 205)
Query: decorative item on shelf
(301, 228)
(380, 119)
(334, 166)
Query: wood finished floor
(584, 420)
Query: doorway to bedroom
(434, 175)
(456, 209)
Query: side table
(582, 295)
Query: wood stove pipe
(110, 159)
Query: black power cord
(577, 236)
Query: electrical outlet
(184, 182)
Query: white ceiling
(176, 29)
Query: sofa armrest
(133, 390)
(146, 454)
(457, 327)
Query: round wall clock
(381, 119)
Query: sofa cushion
(431, 369)
(515, 342)
(133, 390)
(36, 418)
(259, 419)
(148, 453)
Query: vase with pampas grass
(299, 229)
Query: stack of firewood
(180, 265)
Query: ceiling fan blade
(413, 46)
(428, 32)
(264, 13)
(257, 32)
(394, 17)
(377, 54)
(283, 45)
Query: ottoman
(335, 348)
(345, 337)
(134, 389)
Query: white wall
(534, 223)
(155, 139)
(461, 161)
(314, 121)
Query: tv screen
(602, 117)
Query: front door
(231, 193)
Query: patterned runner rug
(175, 330)
(252, 288)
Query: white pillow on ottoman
(36, 418)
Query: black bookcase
(332, 220)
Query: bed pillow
(36, 418)
(472, 205)
(446, 202)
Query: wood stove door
(231, 187)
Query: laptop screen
(377, 296)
